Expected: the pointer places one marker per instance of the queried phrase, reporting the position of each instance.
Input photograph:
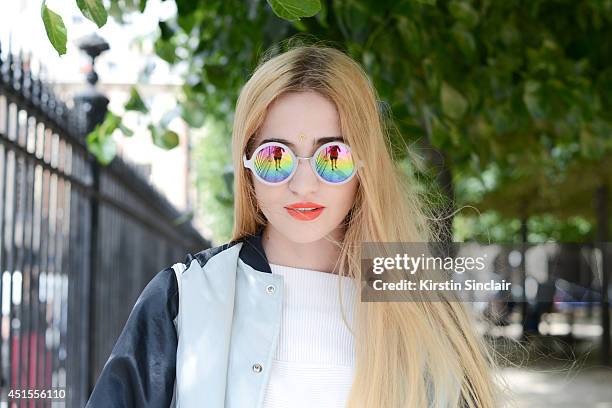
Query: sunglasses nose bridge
(302, 158)
(298, 162)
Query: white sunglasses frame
(250, 165)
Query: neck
(320, 255)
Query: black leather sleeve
(140, 371)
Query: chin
(305, 232)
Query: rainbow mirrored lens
(274, 163)
(334, 163)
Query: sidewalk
(545, 387)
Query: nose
(304, 181)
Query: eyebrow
(318, 142)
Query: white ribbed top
(313, 363)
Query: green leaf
(465, 40)
(455, 136)
(295, 9)
(136, 103)
(185, 7)
(410, 35)
(165, 50)
(299, 25)
(454, 104)
(93, 10)
(186, 22)
(104, 149)
(126, 130)
(56, 30)
(100, 141)
(111, 122)
(464, 12)
(439, 133)
(164, 138)
(533, 100)
(169, 139)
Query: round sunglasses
(274, 163)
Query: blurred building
(131, 60)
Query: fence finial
(93, 45)
(90, 106)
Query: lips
(305, 211)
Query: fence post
(90, 107)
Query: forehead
(300, 117)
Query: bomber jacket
(201, 334)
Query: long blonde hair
(407, 354)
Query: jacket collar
(252, 252)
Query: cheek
(343, 196)
(261, 194)
(267, 196)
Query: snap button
(270, 289)
(257, 367)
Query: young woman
(274, 318)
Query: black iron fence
(78, 242)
